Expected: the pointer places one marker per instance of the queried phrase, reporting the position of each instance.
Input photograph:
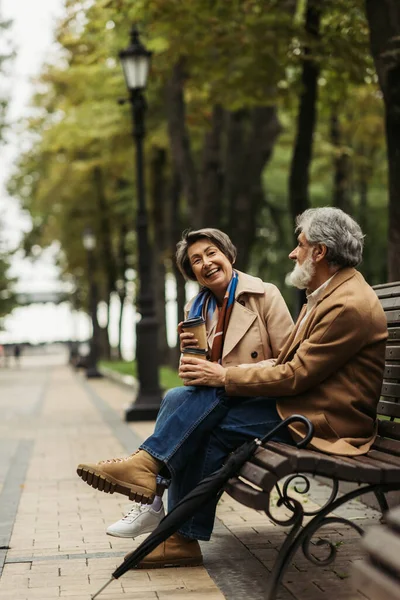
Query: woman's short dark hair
(217, 237)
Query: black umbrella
(208, 488)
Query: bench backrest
(389, 405)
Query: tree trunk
(158, 218)
(301, 161)
(341, 166)
(180, 141)
(384, 22)
(175, 236)
(211, 175)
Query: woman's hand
(196, 371)
(187, 338)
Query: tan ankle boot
(176, 551)
(134, 476)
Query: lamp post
(89, 243)
(135, 63)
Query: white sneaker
(140, 519)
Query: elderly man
(330, 370)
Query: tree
(384, 22)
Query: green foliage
(237, 54)
(168, 377)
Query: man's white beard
(301, 275)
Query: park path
(52, 525)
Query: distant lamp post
(135, 63)
(89, 243)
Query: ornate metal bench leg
(383, 505)
(296, 520)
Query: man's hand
(196, 371)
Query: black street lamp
(89, 243)
(135, 63)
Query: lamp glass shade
(89, 240)
(136, 69)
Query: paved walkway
(52, 525)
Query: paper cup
(197, 326)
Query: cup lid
(193, 322)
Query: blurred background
(255, 110)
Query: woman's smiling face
(210, 266)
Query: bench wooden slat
(389, 429)
(318, 463)
(390, 303)
(381, 286)
(392, 353)
(367, 578)
(247, 495)
(392, 371)
(386, 445)
(394, 333)
(394, 460)
(388, 292)
(392, 316)
(388, 473)
(363, 472)
(390, 409)
(391, 389)
(277, 463)
(261, 477)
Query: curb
(128, 381)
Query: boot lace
(117, 460)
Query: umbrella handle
(293, 418)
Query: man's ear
(319, 252)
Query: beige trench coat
(331, 369)
(259, 326)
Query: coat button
(254, 354)
(242, 302)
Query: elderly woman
(247, 324)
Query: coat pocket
(323, 429)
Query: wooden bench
(378, 577)
(377, 472)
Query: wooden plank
(311, 461)
(381, 286)
(372, 583)
(392, 371)
(392, 353)
(383, 546)
(388, 291)
(390, 303)
(389, 409)
(391, 389)
(394, 334)
(388, 473)
(277, 463)
(389, 429)
(385, 456)
(258, 476)
(247, 495)
(392, 316)
(363, 472)
(385, 445)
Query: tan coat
(331, 369)
(259, 326)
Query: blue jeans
(197, 428)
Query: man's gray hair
(332, 227)
(217, 237)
